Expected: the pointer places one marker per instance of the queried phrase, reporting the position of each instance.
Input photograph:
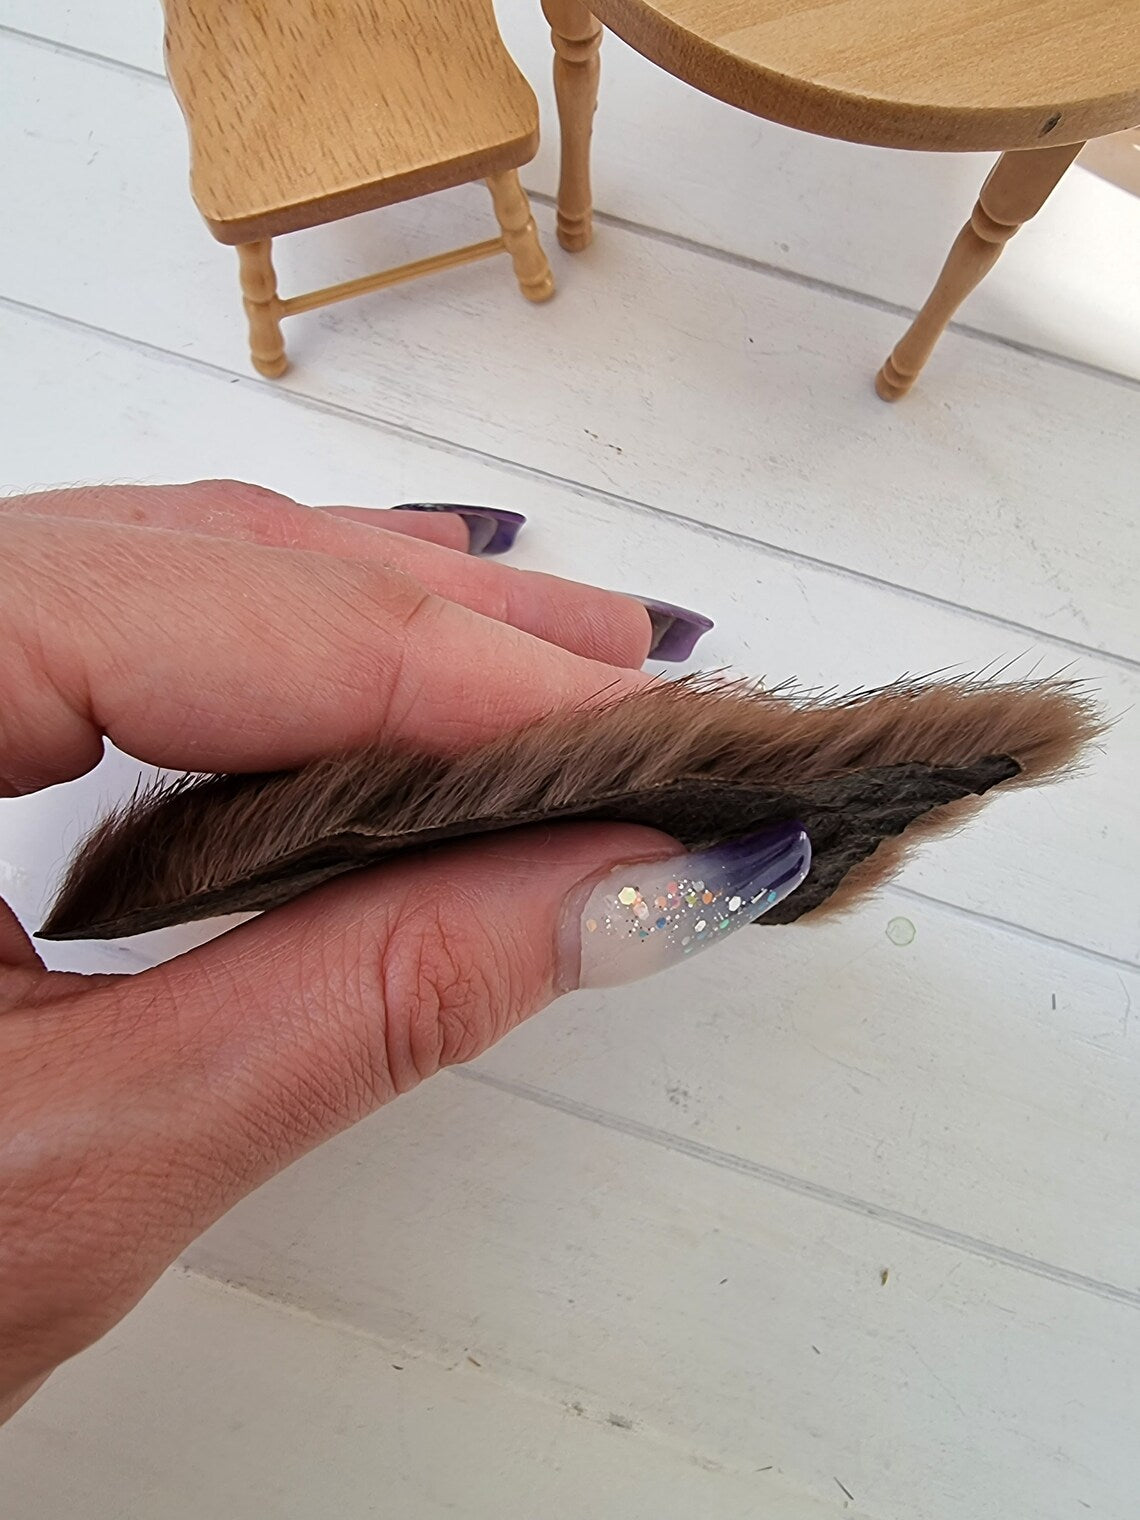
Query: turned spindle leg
(576, 36)
(1018, 186)
(259, 296)
(521, 236)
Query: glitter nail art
(640, 920)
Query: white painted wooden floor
(631, 1263)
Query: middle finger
(597, 624)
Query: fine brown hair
(868, 774)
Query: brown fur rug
(705, 760)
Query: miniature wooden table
(1032, 82)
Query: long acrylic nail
(492, 530)
(642, 919)
(675, 629)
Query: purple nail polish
(643, 918)
(676, 630)
(492, 530)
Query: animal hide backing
(701, 759)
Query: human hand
(220, 627)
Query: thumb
(169, 1095)
(347, 998)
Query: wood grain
(302, 111)
(967, 75)
(312, 1420)
(315, 1420)
(1067, 286)
(311, 110)
(743, 1322)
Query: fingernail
(493, 530)
(675, 629)
(642, 919)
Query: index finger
(207, 654)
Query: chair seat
(938, 74)
(303, 111)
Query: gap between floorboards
(399, 1352)
(788, 1182)
(289, 392)
(686, 244)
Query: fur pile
(700, 758)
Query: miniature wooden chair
(300, 112)
(1034, 81)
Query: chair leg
(1017, 187)
(576, 36)
(521, 236)
(259, 296)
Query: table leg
(1018, 186)
(576, 36)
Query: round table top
(959, 75)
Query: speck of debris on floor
(884, 1276)
(847, 1491)
(622, 1421)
